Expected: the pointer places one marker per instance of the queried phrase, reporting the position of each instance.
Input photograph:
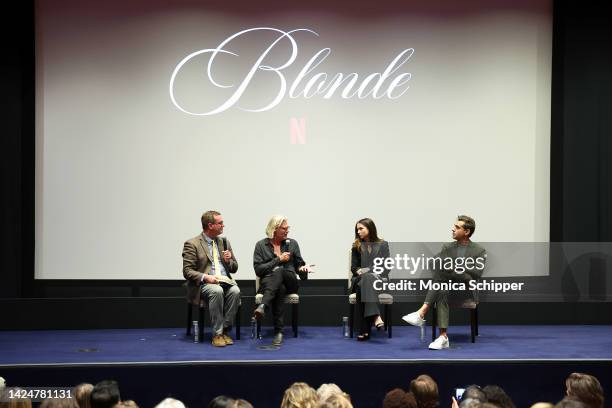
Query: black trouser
(274, 287)
(366, 306)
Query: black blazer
(363, 258)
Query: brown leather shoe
(228, 340)
(218, 341)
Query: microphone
(224, 243)
(287, 241)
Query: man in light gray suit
(208, 262)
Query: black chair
(201, 317)
(384, 299)
(291, 298)
(470, 304)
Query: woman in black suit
(366, 248)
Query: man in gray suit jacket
(462, 248)
(208, 262)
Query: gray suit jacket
(197, 262)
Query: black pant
(274, 287)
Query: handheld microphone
(287, 241)
(224, 243)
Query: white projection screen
(148, 113)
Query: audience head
(474, 392)
(497, 396)
(82, 394)
(2, 384)
(240, 403)
(274, 224)
(470, 403)
(569, 402)
(126, 404)
(425, 391)
(221, 401)
(585, 388)
(6, 402)
(59, 403)
(398, 398)
(341, 400)
(105, 394)
(326, 390)
(542, 405)
(170, 403)
(299, 395)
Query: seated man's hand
(227, 255)
(305, 269)
(284, 257)
(210, 279)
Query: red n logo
(297, 129)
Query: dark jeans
(274, 287)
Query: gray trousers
(440, 297)
(222, 301)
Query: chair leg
(476, 318)
(237, 322)
(351, 320)
(434, 322)
(259, 328)
(473, 325)
(294, 319)
(388, 320)
(189, 317)
(201, 312)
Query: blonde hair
(82, 393)
(337, 400)
(6, 402)
(273, 224)
(299, 395)
(327, 390)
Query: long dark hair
(372, 233)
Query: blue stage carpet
(313, 344)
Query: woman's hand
(361, 271)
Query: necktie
(216, 258)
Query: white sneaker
(414, 319)
(439, 343)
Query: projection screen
(149, 113)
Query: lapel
(375, 247)
(204, 246)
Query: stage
(530, 362)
